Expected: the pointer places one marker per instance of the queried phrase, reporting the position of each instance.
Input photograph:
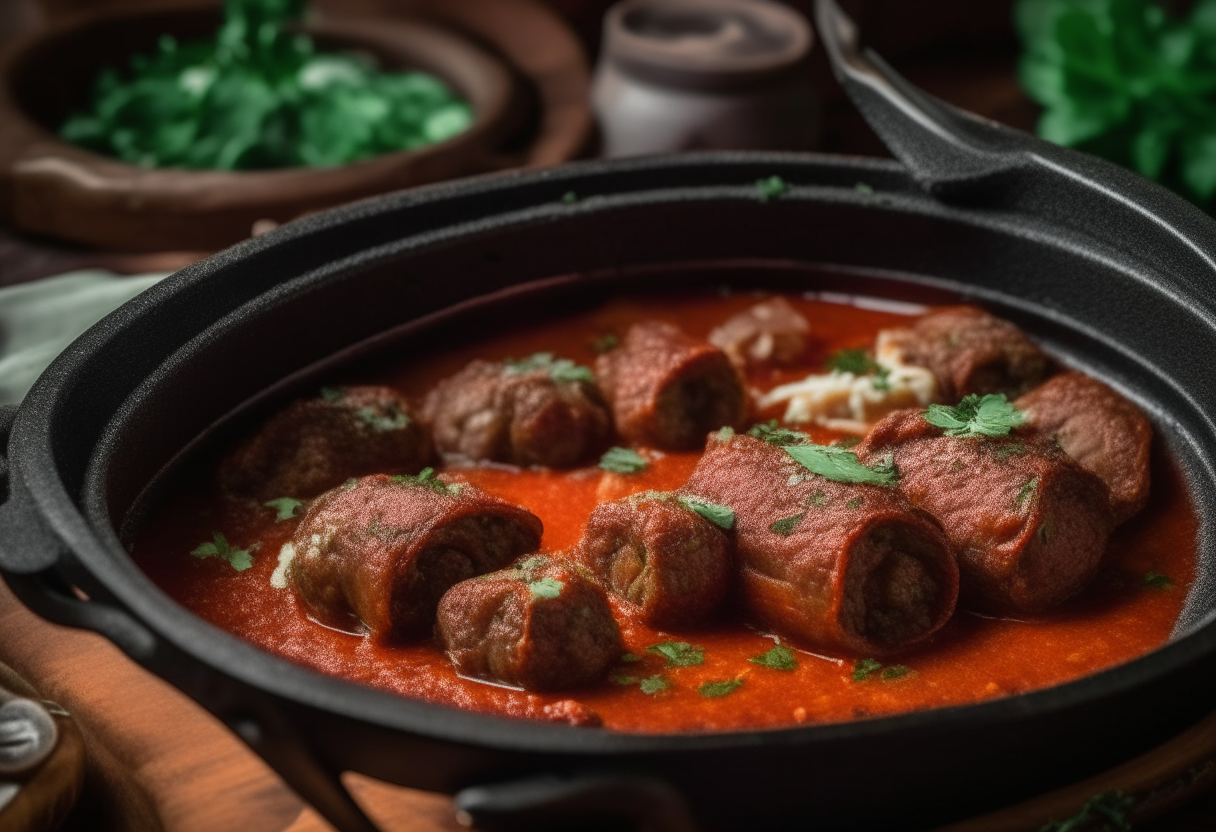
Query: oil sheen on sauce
(1119, 617)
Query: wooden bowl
(50, 187)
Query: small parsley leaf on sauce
(770, 188)
(631, 658)
(623, 461)
(786, 525)
(713, 690)
(426, 479)
(623, 680)
(862, 668)
(1109, 808)
(859, 363)
(287, 508)
(218, 547)
(679, 653)
(839, 465)
(546, 588)
(976, 415)
(559, 369)
(778, 436)
(721, 516)
(779, 658)
(383, 420)
(1158, 581)
(605, 343)
(895, 671)
(654, 684)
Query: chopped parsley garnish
(331, 394)
(631, 658)
(779, 658)
(726, 433)
(854, 503)
(712, 690)
(679, 653)
(605, 343)
(569, 197)
(623, 680)
(559, 369)
(1026, 492)
(786, 525)
(720, 516)
(817, 499)
(218, 547)
(426, 479)
(862, 668)
(847, 442)
(896, 671)
(382, 422)
(840, 465)
(1158, 581)
(546, 588)
(654, 684)
(778, 436)
(623, 461)
(770, 188)
(990, 415)
(859, 363)
(1109, 808)
(286, 507)
(1005, 450)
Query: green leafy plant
(839, 465)
(778, 658)
(1128, 81)
(219, 547)
(679, 653)
(713, 690)
(623, 461)
(991, 415)
(559, 369)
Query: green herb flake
(956, 466)
(1026, 492)
(818, 499)
(559, 369)
(286, 507)
(975, 415)
(721, 516)
(218, 547)
(779, 436)
(1005, 450)
(852, 361)
(862, 668)
(426, 479)
(1108, 808)
(895, 671)
(623, 461)
(1158, 581)
(569, 197)
(726, 433)
(785, 526)
(605, 343)
(546, 588)
(854, 503)
(847, 442)
(679, 653)
(771, 188)
(863, 188)
(714, 690)
(383, 419)
(654, 684)
(631, 658)
(779, 658)
(331, 394)
(623, 680)
(839, 465)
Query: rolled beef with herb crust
(668, 389)
(1098, 428)
(539, 625)
(379, 552)
(315, 444)
(968, 351)
(659, 554)
(840, 566)
(1028, 524)
(535, 411)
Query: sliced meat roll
(537, 411)
(381, 551)
(1029, 525)
(669, 390)
(1098, 428)
(316, 444)
(539, 625)
(840, 567)
(969, 351)
(772, 332)
(670, 563)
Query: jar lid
(705, 44)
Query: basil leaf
(623, 461)
(779, 658)
(839, 465)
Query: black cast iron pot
(1109, 271)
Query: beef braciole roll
(381, 551)
(655, 550)
(1098, 428)
(539, 625)
(316, 444)
(969, 351)
(772, 332)
(1029, 525)
(669, 390)
(840, 566)
(536, 411)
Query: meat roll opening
(381, 551)
(536, 411)
(668, 389)
(671, 564)
(539, 625)
(315, 444)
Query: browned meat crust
(671, 564)
(315, 444)
(1098, 428)
(970, 351)
(840, 567)
(669, 390)
(772, 332)
(382, 550)
(1028, 524)
(539, 625)
(490, 411)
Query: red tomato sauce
(1120, 615)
